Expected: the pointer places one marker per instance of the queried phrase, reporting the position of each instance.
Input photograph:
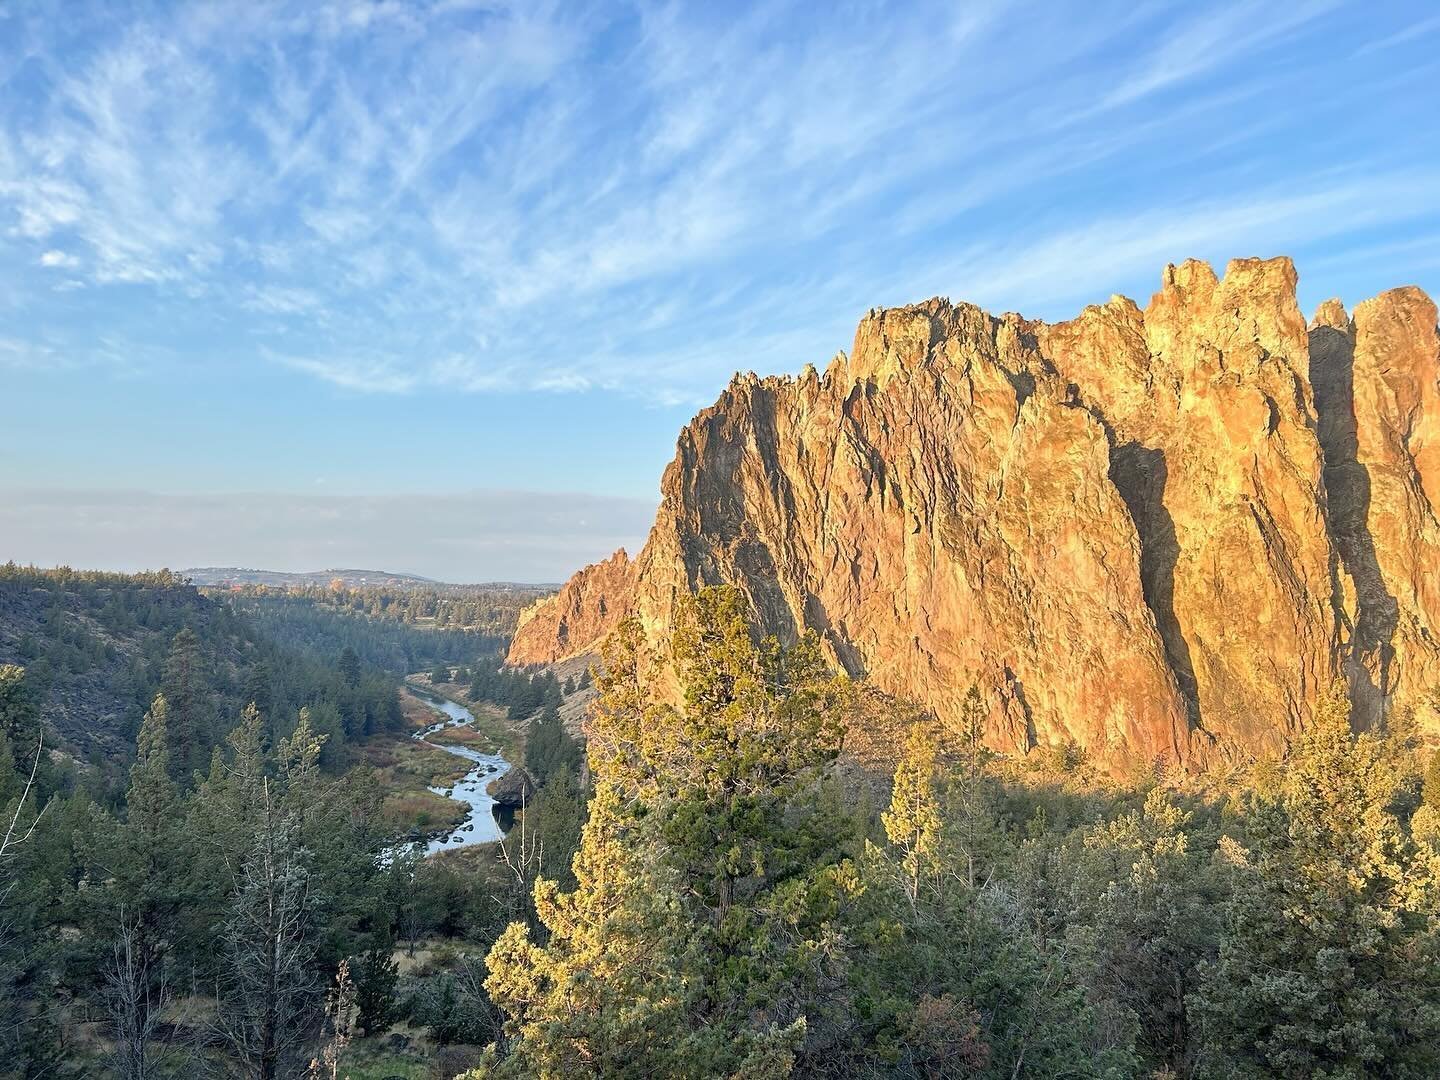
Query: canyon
(1154, 535)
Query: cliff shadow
(1347, 519)
(1140, 474)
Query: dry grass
(422, 811)
(507, 736)
(480, 741)
(406, 769)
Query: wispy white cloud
(54, 257)
(1216, 36)
(394, 197)
(366, 376)
(1412, 31)
(17, 354)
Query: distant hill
(94, 645)
(221, 576)
(211, 576)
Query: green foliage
(103, 645)
(736, 899)
(349, 667)
(973, 966)
(189, 724)
(1330, 964)
(485, 609)
(375, 974)
(913, 822)
(1147, 917)
(19, 718)
(704, 897)
(322, 623)
(521, 692)
(559, 813)
(549, 748)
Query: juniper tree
(707, 884)
(184, 688)
(1331, 962)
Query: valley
(485, 820)
(746, 541)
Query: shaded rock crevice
(1369, 653)
(1140, 474)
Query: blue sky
(291, 259)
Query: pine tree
(375, 974)
(148, 895)
(349, 667)
(270, 992)
(549, 747)
(19, 718)
(603, 996)
(189, 709)
(259, 689)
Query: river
(486, 822)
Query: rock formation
(1152, 534)
(514, 788)
(571, 622)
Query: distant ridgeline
(493, 610)
(399, 632)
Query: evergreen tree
(259, 689)
(375, 974)
(1426, 822)
(559, 816)
(19, 718)
(1144, 918)
(963, 978)
(913, 822)
(148, 893)
(1331, 963)
(184, 689)
(550, 748)
(270, 990)
(706, 875)
(349, 667)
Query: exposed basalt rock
(514, 789)
(586, 608)
(1215, 451)
(1154, 534)
(1375, 384)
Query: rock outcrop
(586, 608)
(514, 788)
(1152, 534)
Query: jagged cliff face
(1151, 533)
(586, 608)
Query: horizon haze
(285, 261)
